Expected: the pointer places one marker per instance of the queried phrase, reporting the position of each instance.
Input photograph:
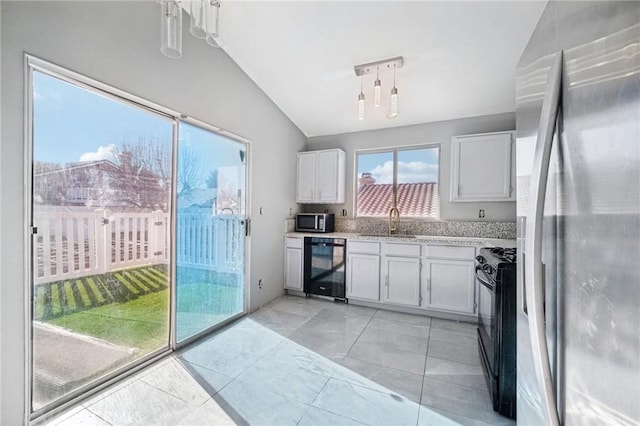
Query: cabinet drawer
(401, 249)
(294, 242)
(367, 247)
(451, 252)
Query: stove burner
(504, 254)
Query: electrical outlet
(260, 283)
(481, 213)
(261, 210)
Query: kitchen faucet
(394, 219)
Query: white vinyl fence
(71, 245)
(206, 241)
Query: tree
(189, 171)
(143, 179)
(212, 179)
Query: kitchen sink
(388, 235)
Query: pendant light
(212, 11)
(171, 31)
(197, 25)
(375, 67)
(376, 89)
(393, 110)
(361, 103)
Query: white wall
(118, 43)
(438, 132)
(1, 318)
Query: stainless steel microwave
(315, 222)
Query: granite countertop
(430, 239)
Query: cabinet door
(363, 276)
(481, 167)
(293, 268)
(402, 280)
(328, 177)
(449, 285)
(306, 184)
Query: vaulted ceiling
(459, 57)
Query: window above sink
(408, 174)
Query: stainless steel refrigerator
(578, 177)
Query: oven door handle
(481, 275)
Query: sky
(414, 165)
(73, 124)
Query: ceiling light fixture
(213, 23)
(171, 29)
(375, 67)
(361, 103)
(204, 24)
(197, 25)
(393, 109)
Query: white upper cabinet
(306, 189)
(482, 167)
(321, 177)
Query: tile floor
(308, 362)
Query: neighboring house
(414, 199)
(99, 184)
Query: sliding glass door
(101, 200)
(210, 230)
(137, 234)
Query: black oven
(496, 274)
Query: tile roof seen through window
(414, 199)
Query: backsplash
(506, 230)
(503, 230)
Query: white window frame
(394, 150)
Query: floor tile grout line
(424, 370)
(302, 324)
(459, 362)
(142, 379)
(361, 332)
(404, 351)
(288, 398)
(404, 322)
(473, 420)
(100, 417)
(462, 386)
(350, 384)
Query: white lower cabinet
(415, 275)
(402, 280)
(293, 263)
(363, 270)
(449, 285)
(363, 276)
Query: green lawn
(131, 307)
(140, 323)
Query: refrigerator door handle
(533, 243)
